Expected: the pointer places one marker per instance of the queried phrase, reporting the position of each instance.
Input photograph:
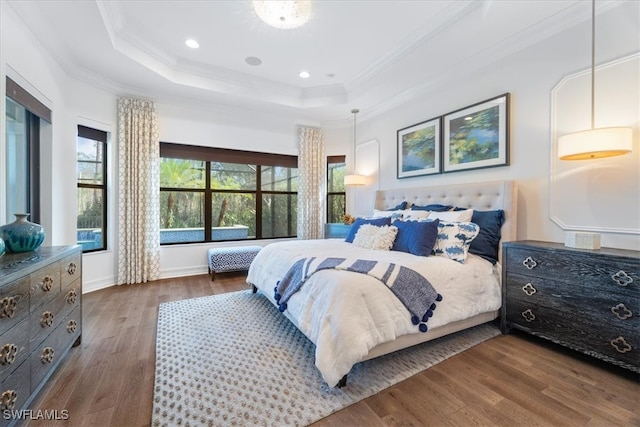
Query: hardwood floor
(507, 381)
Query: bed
(352, 317)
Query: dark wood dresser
(587, 300)
(40, 319)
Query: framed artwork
(477, 136)
(419, 149)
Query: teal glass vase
(3, 248)
(22, 235)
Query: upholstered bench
(233, 258)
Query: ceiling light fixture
(283, 14)
(354, 179)
(193, 44)
(304, 74)
(595, 143)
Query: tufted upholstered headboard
(481, 196)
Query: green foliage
(463, 146)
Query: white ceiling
(366, 54)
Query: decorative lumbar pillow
(360, 221)
(416, 237)
(460, 216)
(487, 243)
(454, 239)
(374, 237)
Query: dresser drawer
(602, 310)
(14, 303)
(619, 347)
(45, 285)
(14, 347)
(70, 269)
(15, 391)
(46, 319)
(606, 273)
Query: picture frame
(477, 136)
(419, 148)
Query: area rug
(235, 360)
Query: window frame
(224, 155)
(333, 160)
(101, 137)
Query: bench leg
(212, 273)
(254, 289)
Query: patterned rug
(235, 360)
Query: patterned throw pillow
(454, 239)
(373, 237)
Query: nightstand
(587, 300)
(336, 230)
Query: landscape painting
(419, 149)
(477, 136)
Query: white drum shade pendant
(595, 143)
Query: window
(92, 189)
(23, 119)
(213, 194)
(335, 188)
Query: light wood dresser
(587, 300)
(40, 320)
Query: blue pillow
(360, 221)
(487, 242)
(435, 208)
(416, 237)
(399, 207)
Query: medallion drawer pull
(9, 305)
(528, 315)
(8, 400)
(71, 326)
(71, 297)
(71, 268)
(530, 263)
(529, 289)
(622, 279)
(621, 345)
(8, 354)
(47, 283)
(621, 311)
(47, 319)
(47, 355)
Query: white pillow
(454, 239)
(461, 216)
(394, 215)
(373, 237)
(410, 215)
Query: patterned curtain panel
(139, 201)
(311, 183)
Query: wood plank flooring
(511, 380)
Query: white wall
(529, 76)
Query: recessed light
(304, 74)
(253, 60)
(192, 43)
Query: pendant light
(595, 143)
(354, 179)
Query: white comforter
(346, 314)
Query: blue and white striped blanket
(409, 286)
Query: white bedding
(346, 314)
